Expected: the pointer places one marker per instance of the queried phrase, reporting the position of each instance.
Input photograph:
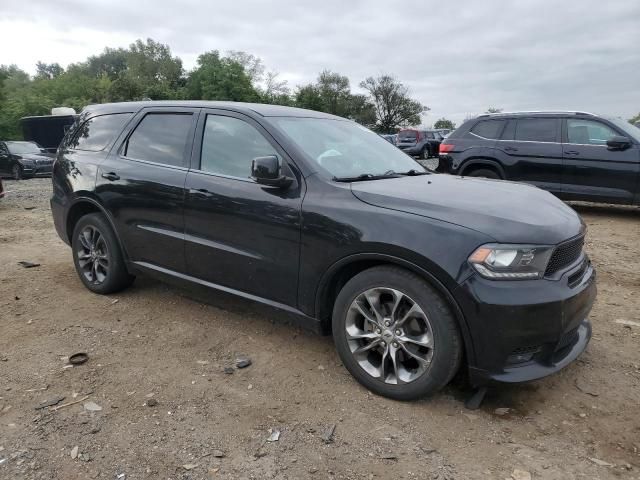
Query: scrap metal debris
(28, 264)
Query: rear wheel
(16, 172)
(425, 154)
(396, 334)
(484, 173)
(97, 256)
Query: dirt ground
(156, 342)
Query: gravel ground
(163, 407)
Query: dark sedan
(414, 274)
(24, 159)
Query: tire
(16, 172)
(484, 173)
(103, 270)
(412, 379)
(425, 153)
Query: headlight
(511, 262)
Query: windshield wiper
(414, 173)
(367, 176)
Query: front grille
(575, 278)
(564, 255)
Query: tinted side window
(488, 128)
(537, 129)
(229, 145)
(160, 138)
(97, 132)
(509, 130)
(588, 132)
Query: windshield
(344, 148)
(628, 128)
(19, 148)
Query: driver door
(239, 234)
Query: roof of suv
(249, 108)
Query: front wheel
(16, 172)
(396, 334)
(484, 173)
(97, 256)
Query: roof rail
(525, 112)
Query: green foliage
(392, 103)
(635, 120)
(444, 123)
(493, 110)
(147, 69)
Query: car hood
(508, 212)
(40, 157)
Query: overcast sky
(457, 57)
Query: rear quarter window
(96, 133)
(490, 129)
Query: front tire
(16, 172)
(97, 256)
(396, 334)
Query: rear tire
(425, 154)
(408, 370)
(484, 173)
(97, 256)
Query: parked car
(419, 143)
(574, 155)
(412, 273)
(48, 130)
(24, 159)
(391, 138)
(1, 189)
(443, 132)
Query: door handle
(202, 191)
(111, 176)
(510, 149)
(572, 152)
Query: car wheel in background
(97, 256)
(425, 154)
(396, 334)
(484, 173)
(16, 172)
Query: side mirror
(618, 142)
(268, 171)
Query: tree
(253, 66)
(48, 70)
(635, 120)
(308, 96)
(217, 78)
(392, 104)
(335, 92)
(444, 123)
(493, 110)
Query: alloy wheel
(93, 255)
(389, 335)
(16, 171)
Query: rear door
(141, 184)
(593, 171)
(239, 234)
(531, 151)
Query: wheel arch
(474, 163)
(343, 270)
(83, 206)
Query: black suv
(24, 159)
(322, 218)
(574, 155)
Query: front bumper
(525, 330)
(37, 170)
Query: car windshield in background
(19, 148)
(345, 149)
(628, 128)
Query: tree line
(148, 70)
